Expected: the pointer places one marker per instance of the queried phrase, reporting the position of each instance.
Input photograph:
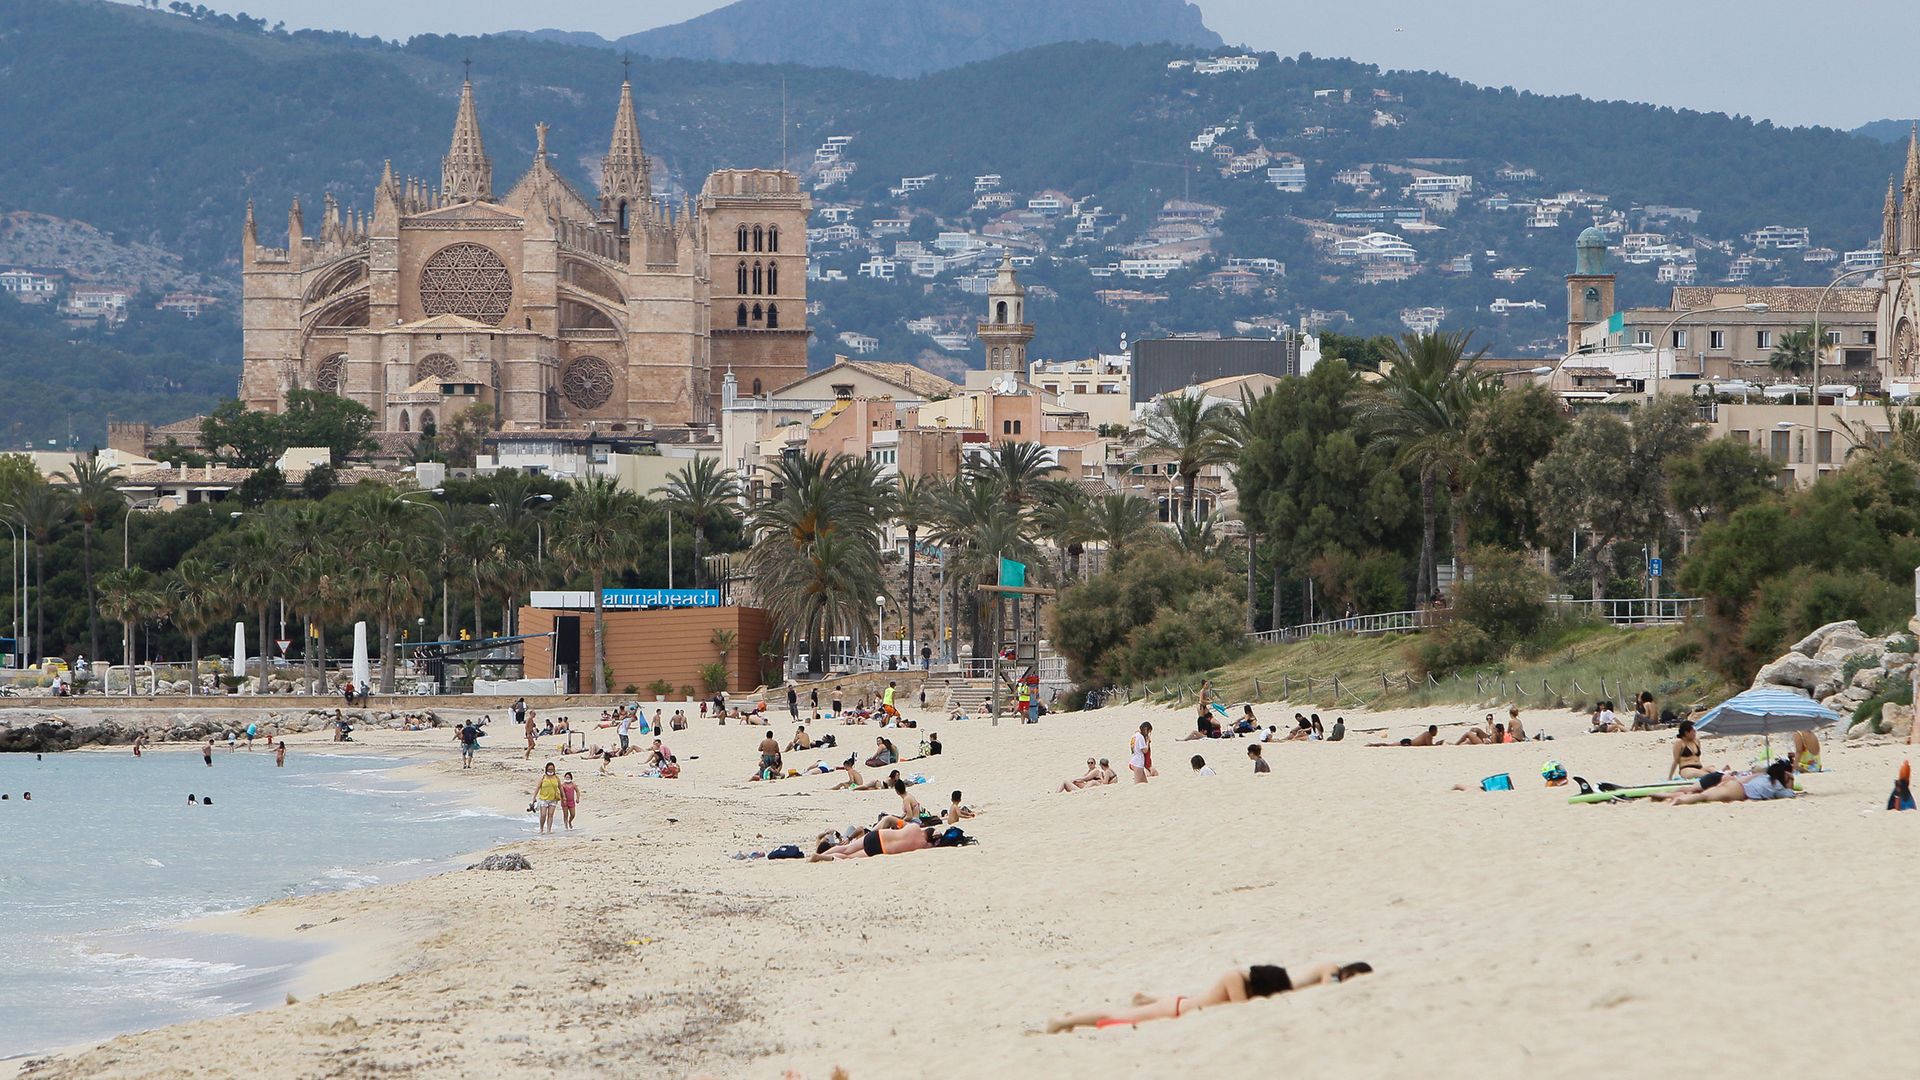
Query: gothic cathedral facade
(552, 310)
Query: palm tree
(703, 494)
(96, 490)
(256, 571)
(1120, 521)
(1420, 412)
(1794, 354)
(127, 596)
(478, 544)
(724, 642)
(1015, 469)
(387, 557)
(913, 505)
(597, 532)
(304, 534)
(200, 600)
(42, 509)
(816, 559)
(1065, 518)
(1197, 434)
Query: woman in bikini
(1260, 980)
(878, 842)
(1686, 753)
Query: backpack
(953, 837)
(785, 851)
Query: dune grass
(1569, 668)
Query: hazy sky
(1732, 56)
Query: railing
(1634, 611)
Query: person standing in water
(546, 797)
(280, 755)
(139, 741)
(206, 753)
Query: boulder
(1802, 672)
(510, 861)
(1812, 643)
(1896, 719)
(1869, 677)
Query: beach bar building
(663, 635)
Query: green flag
(1013, 575)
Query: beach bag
(785, 851)
(1497, 782)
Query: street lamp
(880, 628)
(1755, 307)
(446, 529)
(539, 534)
(1813, 385)
(19, 602)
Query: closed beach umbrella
(362, 666)
(1763, 712)
(240, 648)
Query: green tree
(200, 599)
(1505, 439)
(388, 565)
(1718, 477)
(241, 436)
(95, 495)
(42, 510)
(913, 506)
(1197, 436)
(816, 561)
(1148, 617)
(703, 495)
(317, 418)
(1607, 478)
(1118, 521)
(1421, 411)
(256, 574)
(128, 596)
(596, 533)
(1794, 354)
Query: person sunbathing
(1518, 733)
(1686, 753)
(1302, 730)
(1603, 721)
(1476, 737)
(1107, 775)
(800, 740)
(1260, 980)
(1204, 728)
(1425, 738)
(910, 808)
(1088, 779)
(1775, 783)
(1806, 752)
(884, 754)
(879, 842)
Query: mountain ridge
(886, 37)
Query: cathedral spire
(1913, 162)
(466, 173)
(625, 182)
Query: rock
(1869, 677)
(503, 862)
(1801, 672)
(1896, 719)
(1812, 643)
(1847, 700)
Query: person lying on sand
(1088, 779)
(1425, 738)
(1775, 783)
(879, 842)
(1476, 737)
(1260, 980)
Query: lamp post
(126, 561)
(1755, 307)
(539, 535)
(1813, 384)
(19, 654)
(445, 530)
(880, 628)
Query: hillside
(203, 114)
(887, 37)
(1893, 131)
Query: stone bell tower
(1006, 333)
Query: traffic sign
(1654, 567)
(284, 643)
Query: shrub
(631, 690)
(1856, 664)
(1889, 692)
(660, 688)
(1154, 614)
(1506, 597)
(1457, 645)
(713, 677)
(1902, 644)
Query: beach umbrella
(1763, 712)
(240, 649)
(362, 667)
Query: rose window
(588, 382)
(466, 280)
(327, 375)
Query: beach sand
(1513, 935)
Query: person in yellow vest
(886, 701)
(1026, 703)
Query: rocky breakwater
(1867, 680)
(36, 731)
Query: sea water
(107, 855)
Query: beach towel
(1497, 782)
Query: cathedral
(552, 310)
(1900, 278)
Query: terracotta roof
(1782, 298)
(922, 382)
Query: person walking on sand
(526, 721)
(469, 739)
(1141, 757)
(569, 799)
(280, 755)
(793, 700)
(546, 796)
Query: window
(1000, 312)
(1717, 340)
(1643, 337)
(756, 388)
(1679, 339)
(406, 422)
(1763, 339)
(1869, 337)
(773, 278)
(743, 238)
(1009, 427)
(1833, 337)
(741, 319)
(741, 279)
(773, 316)
(773, 238)
(842, 390)
(759, 275)
(758, 314)
(1016, 427)
(759, 238)
(623, 217)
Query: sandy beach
(1512, 934)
